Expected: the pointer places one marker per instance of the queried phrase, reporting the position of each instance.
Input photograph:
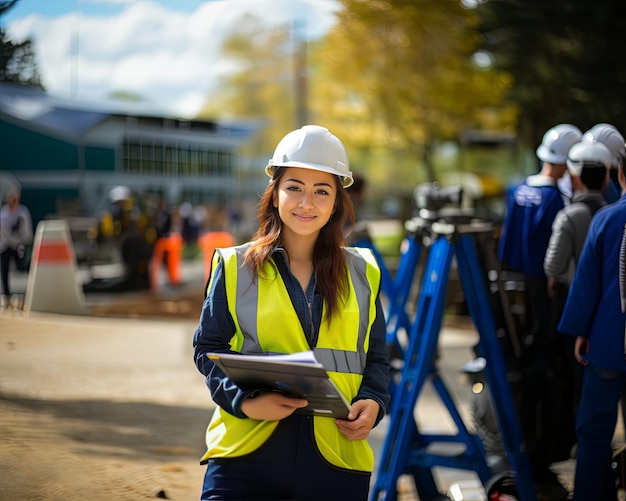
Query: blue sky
(53, 8)
(89, 49)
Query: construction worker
(614, 141)
(595, 315)
(525, 236)
(16, 236)
(125, 231)
(294, 288)
(588, 164)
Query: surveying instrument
(448, 233)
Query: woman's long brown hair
(331, 271)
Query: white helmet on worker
(556, 143)
(312, 147)
(608, 135)
(120, 194)
(588, 154)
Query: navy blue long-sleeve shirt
(593, 307)
(216, 328)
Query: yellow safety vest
(266, 321)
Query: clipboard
(295, 374)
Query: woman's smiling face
(305, 199)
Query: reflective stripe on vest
(266, 321)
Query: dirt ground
(102, 408)
(108, 406)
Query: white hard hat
(556, 143)
(312, 147)
(608, 135)
(588, 153)
(120, 193)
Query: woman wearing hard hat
(294, 288)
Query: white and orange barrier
(210, 241)
(53, 283)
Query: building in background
(68, 155)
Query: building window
(170, 159)
(132, 158)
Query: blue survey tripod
(397, 289)
(406, 448)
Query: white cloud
(166, 56)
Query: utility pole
(300, 73)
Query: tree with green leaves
(17, 60)
(402, 73)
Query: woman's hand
(361, 419)
(271, 406)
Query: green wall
(24, 149)
(97, 158)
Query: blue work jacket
(527, 227)
(593, 306)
